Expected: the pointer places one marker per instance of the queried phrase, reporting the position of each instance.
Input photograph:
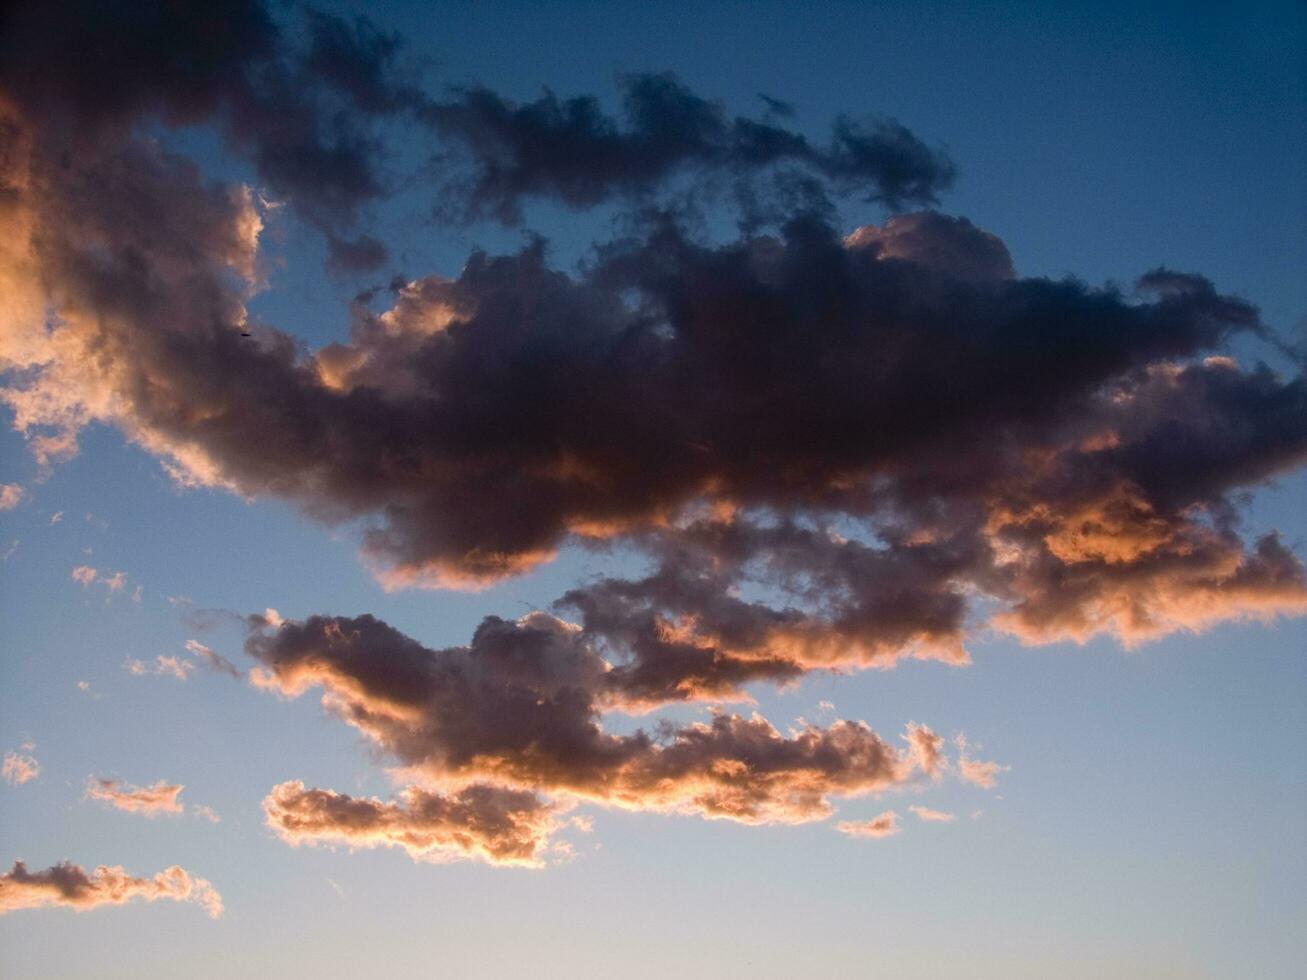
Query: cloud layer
(826, 448)
(878, 427)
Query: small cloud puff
(19, 769)
(883, 825)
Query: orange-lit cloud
(11, 495)
(884, 825)
(927, 749)
(974, 771)
(67, 885)
(166, 666)
(927, 815)
(19, 769)
(486, 823)
(85, 575)
(160, 799)
(952, 246)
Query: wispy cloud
(982, 774)
(163, 665)
(883, 825)
(205, 813)
(211, 659)
(927, 815)
(19, 769)
(87, 575)
(160, 799)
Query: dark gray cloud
(304, 114)
(96, 64)
(883, 425)
(307, 97)
(572, 151)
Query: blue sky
(1149, 821)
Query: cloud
(572, 151)
(928, 748)
(211, 659)
(883, 825)
(299, 110)
(521, 707)
(824, 449)
(67, 885)
(982, 774)
(161, 799)
(164, 666)
(86, 575)
(486, 823)
(927, 815)
(306, 101)
(19, 769)
(585, 419)
(11, 495)
(205, 813)
(728, 409)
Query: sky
(746, 490)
